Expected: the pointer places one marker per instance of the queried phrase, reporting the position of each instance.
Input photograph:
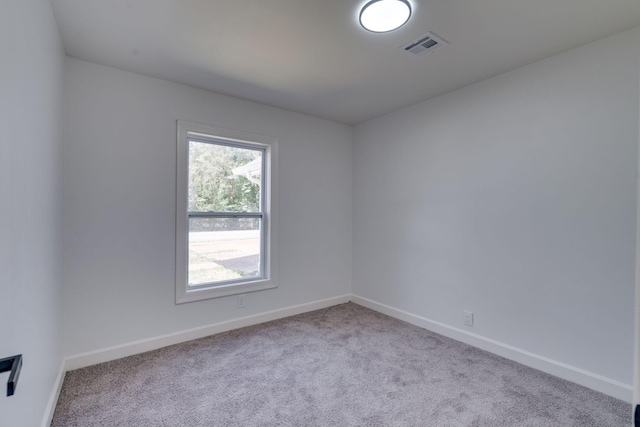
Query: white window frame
(269, 221)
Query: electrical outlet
(468, 318)
(241, 301)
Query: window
(225, 213)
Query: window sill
(198, 294)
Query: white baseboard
(588, 379)
(55, 393)
(570, 373)
(148, 344)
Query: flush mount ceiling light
(381, 16)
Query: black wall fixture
(13, 364)
(637, 416)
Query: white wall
(119, 173)
(514, 198)
(30, 135)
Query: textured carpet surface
(341, 366)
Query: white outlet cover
(468, 318)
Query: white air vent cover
(424, 44)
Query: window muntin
(225, 215)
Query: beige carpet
(341, 366)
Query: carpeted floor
(341, 366)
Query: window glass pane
(224, 179)
(223, 249)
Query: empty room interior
(319, 213)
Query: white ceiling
(311, 56)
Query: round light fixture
(381, 16)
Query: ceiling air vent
(424, 44)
